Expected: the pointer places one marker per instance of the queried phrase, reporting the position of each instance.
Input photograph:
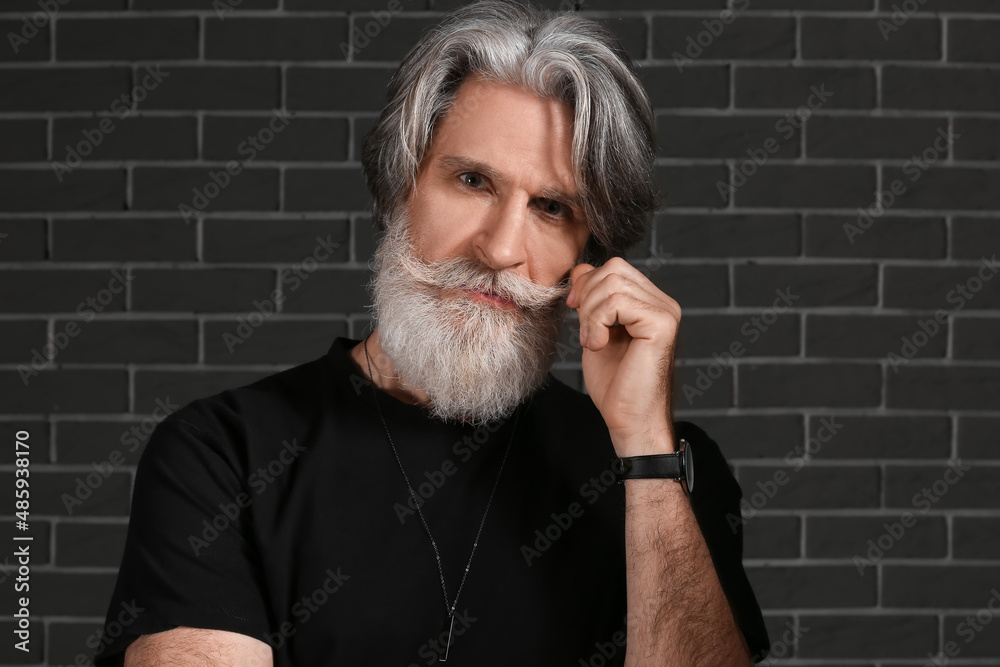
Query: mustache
(466, 273)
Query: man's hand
(628, 329)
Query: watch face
(689, 466)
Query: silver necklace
(449, 619)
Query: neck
(383, 374)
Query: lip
(495, 300)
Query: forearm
(678, 614)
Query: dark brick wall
(843, 360)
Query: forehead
(511, 129)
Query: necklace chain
(449, 610)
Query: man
(432, 493)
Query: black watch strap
(678, 466)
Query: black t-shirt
(278, 510)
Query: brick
(973, 537)
(821, 285)
(772, 537)
(973, 238)
(24, 140)
(737, 335)
(694, 286)
(726, 137)
(976, 338)
(962, 629)
(83, 5)
(324, 88)
(161, 38)
(243, 138)
(808, 587)
(34, 655)
(693, 185)
(717, 392)
(38, 440)
(799, 185)
(140, 138)
(976, 139)
(90, 544)
(751, 436)
(354, 5)
(313, 38)
(75, 643)
(141, 239)
(949, 6)
(810, 487)
(819, 385)
(940, 88)
(335, 189)
(22, 240)
(936, 187)
(81, 493)
(729, 235)
(868, 636)
(228, 240)
(337, 291)
(65, 391)
(79, 190)
(361, 128)
(885, 236)
(977, 437)
(40, 544)
(943, 387)
(814, 87)
(22, 45)
(849, 536)
(184, 386)
(885, 437)
(71, 594)
(218, 88)
(135, 341)
(632, 32)
(205, 5)
(166, 188)
(936, 587)
(200, 290)
(825, 5)
(86, 442)
(949, 288)
(698, 86)
(973, 40)
(683, 39)
(943, 486)
(63, 89)
(20, 339)
(68, 290)
(871, 137)
(273, 342)
(870, 39)
(628, 5)
(872, 336)
(372, 41)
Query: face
(497, 185)
(471, 278)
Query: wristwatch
(677, 466)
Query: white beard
(475, 361)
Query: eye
(553, 208)
(472, 179)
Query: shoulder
(238, 424)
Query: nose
(501, 241)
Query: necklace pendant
(448, 627)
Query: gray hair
(560, 56)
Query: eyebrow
(470, 164)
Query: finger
(578, 281)
(615, 283)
